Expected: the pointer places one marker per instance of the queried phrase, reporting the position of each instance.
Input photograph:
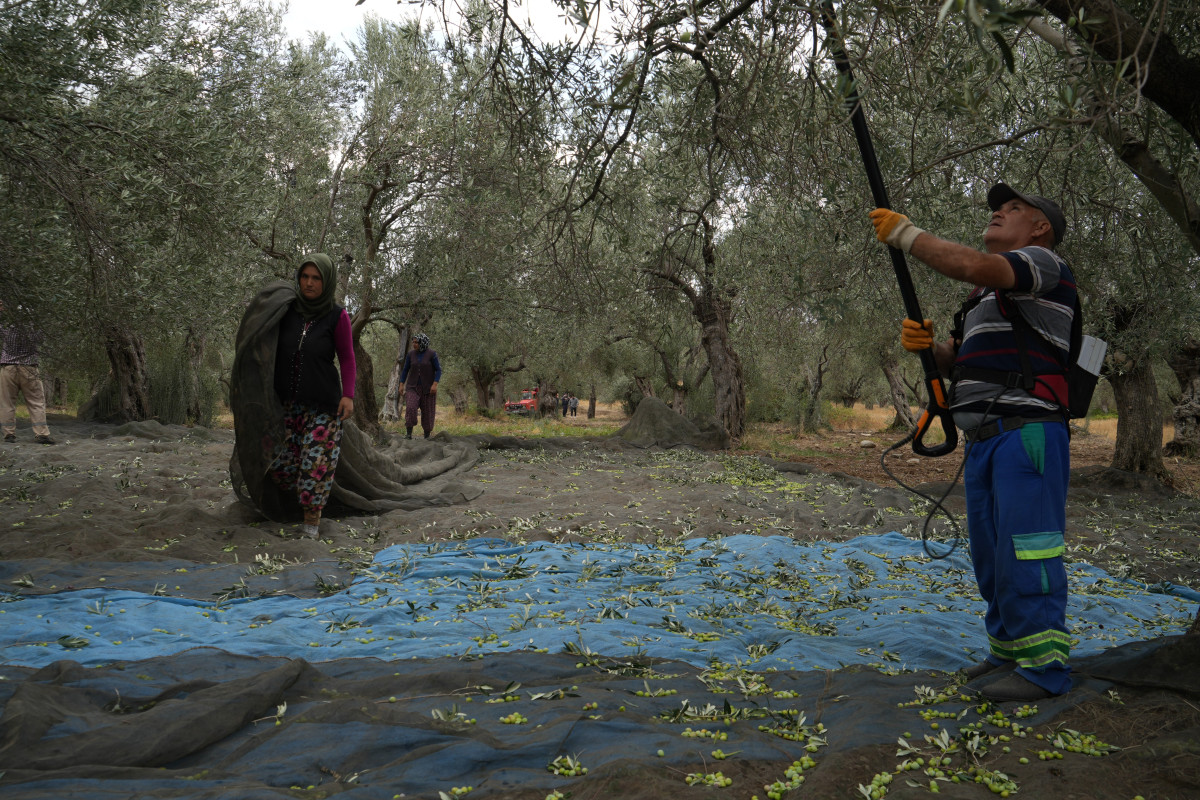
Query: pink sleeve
(343, 341)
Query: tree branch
(1145, 57)
(1159, 180)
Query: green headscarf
(312, 309)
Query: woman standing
(283, 372)
(420, 375)
(315, 398)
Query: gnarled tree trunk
(811, 417)
(55, 389)
(682, 378)
(393, 401)
(131, 380)
(712, 306)
(1139, 426)
(366, 405)
(1186, 365)
(898, 392)
(546, 403)
(497, 399)
(645, 385)
(486, 377)
(729, 386)
(482, 378)
(679, 398)
(195, 344)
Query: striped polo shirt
(1045, 293)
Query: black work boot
(986, 667)
(1014, 687)
(408, 433)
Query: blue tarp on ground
(762, 602)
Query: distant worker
(574, 405)
(566, 403)
(19, 373)
(1013, 331)
(420, 375)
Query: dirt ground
(841, 451)
(1129, 525)
(111, 495)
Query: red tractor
(525, 406)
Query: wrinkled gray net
(209, 724)
(655, 424)
(396, 474)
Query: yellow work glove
(916, 336)
(894, 229)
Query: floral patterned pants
(308, 456)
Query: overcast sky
(339, 19)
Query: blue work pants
(1016, 487)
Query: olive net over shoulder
(370, 478)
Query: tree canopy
(667, 197)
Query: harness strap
(1021, 330)
(1000, 377)
(1005, 424)
(1021, 327)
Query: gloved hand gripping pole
(937, 406)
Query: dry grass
(865, 420)
(1092, 445)
(861, 418)
(609, 418)
(1107, 427)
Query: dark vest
(304, 370)
(420, 371)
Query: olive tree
(135, 153)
